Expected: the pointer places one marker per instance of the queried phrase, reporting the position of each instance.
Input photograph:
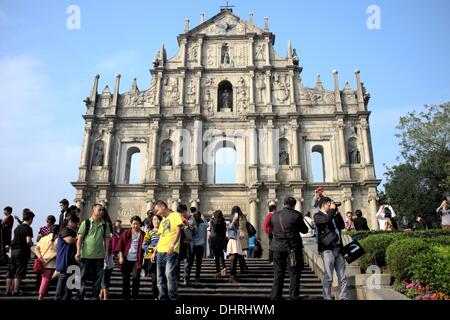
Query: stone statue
(260, 51)
(225, 99)
(167, 157)
(295, 59)
(260, 85)
(284, 157)
(225, 54)
(98, 153)
(354, 155)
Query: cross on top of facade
(226, 8)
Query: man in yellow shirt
(167, 251)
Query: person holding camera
(329, 224)
(287, 247)
(318, 193)
(444, 211)
(384, 213)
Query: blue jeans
(167, 275)
(333, 259)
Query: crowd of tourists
(166, 240)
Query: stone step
(255, 283)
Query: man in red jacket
(268, 228)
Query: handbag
(328, 238)
(250, 229)
(353, 251)
(38, 266)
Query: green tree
(419, 184)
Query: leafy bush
(399, 256)
(375, 247)
(432, 268)
(431, 233)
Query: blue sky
(46, 70)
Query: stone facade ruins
(226, 87)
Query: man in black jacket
(64, 205)
(287, 243)
(329, 224)
(360, 222)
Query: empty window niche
(226, 165)
(132, 171)
(318, 164)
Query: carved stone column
(268, 92)
(200, 51)
(299, 197)
(197, 149)
(181, 81)
(85, 151)
(158, 91)
(197, 93)
(177, 158)
(251, 62)
(253, 215)
(295, 153)
(270, 160)
(293, 108)
(153, 151)
(372, 209)
(252, 91)
(267, 53)
(364, 128)
(253, 152)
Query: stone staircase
(254, 284)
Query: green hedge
(375, 247)
(399, 256)
(432, 268)
(431, 233)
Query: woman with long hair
(218, 229)
(243, 235)
(148, 245)
(234, 246)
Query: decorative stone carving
(193, 53)
(242, 98)
(260, 50)
(191, 92)
(208, 97)
(281, 87)
(226, 27)
(171, 92)
(329, 98)
(211, 56)
(239, 58)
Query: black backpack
(88, 227)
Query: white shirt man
(381, 215)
